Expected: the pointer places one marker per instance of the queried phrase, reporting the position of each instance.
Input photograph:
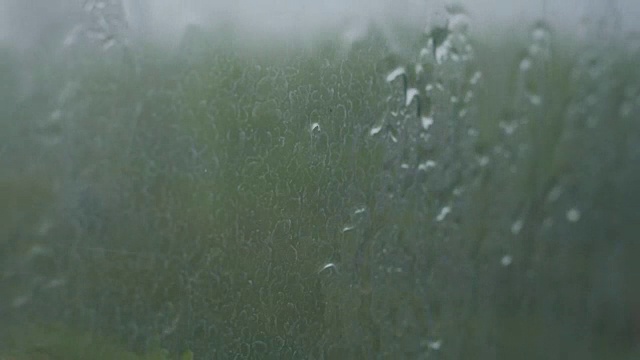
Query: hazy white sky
(23, 21)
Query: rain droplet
(539, 33)
(427, 165)
(411, 93)
(508, 128)
(427, 121)
(108, 43)
(348, 228)
(374, 130)
(475, 78)
(573, 215)
(434, 344)
(535, 99)
(458, 18)
(554, 194)
(442, 52)
(516, 227)
(328, 266)
(506, 260)
(395, 73)
(468, 96)
(443, 213)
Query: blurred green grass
(198, 197)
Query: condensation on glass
(321, 180)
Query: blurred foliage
(298, 202)
(44, 342)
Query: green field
(476, 200)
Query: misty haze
(288, 179)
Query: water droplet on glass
(327, 267)
(516, 227)
(475, 78)
(458, 17)
(539, 34)
(442, 52)
(443, 213)
(468, 96)
(554, 193)
(360, 210)
(395, 73)
(427, 121)
(573, 215)
(508, 128)
(427, 165)
(434, 344)
(374, 130)
(411, 93)
(348, 228)
(108, 43)
(424, 53)
(535, 100)
(506, 260)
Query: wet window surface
(394, 181)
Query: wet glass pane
(319, 180)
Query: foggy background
(25, 23)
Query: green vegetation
(293, 202)
(60, 342)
